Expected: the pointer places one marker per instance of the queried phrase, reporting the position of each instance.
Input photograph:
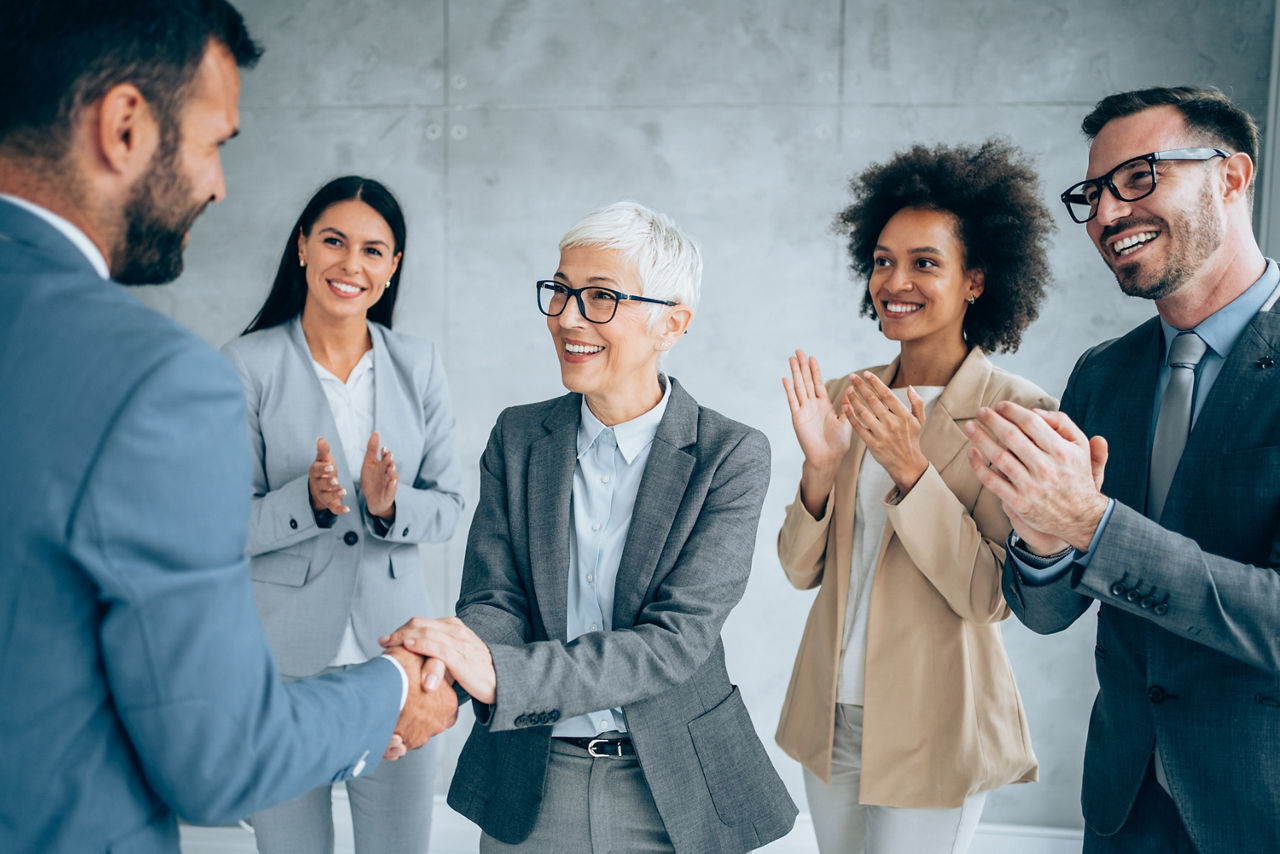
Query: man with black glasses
(1182, 547)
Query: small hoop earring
(302, 262)
(972, 299)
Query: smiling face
(1158, 244)
(614, 364)
(349, 257)
(919, 284)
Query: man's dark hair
(288, 292)
(1001, 223)
(1206, 111)
(57, 56)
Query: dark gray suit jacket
(1188, 652)
(137, 683)
(684, 566)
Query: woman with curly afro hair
(902, 705)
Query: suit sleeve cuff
(1036, 570)
(404, 679)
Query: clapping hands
(890, 431)
(322, 482)
(378, 479)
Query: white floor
(453, 834)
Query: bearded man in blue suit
(137, 681)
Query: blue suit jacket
(1188, 651)
(137, 681)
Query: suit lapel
(1121, 411)
(845, 492)
(1242, 378)
(552, 459)
(384, 395)
(1241, 395)
(942, 437)
(308, 405)
(662, 488)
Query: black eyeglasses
(1132, 180)
(597, 305)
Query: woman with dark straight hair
(338, 405)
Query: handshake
(436, 654)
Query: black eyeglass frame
(576, 293)
(1105, 181)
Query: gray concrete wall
(499, 124)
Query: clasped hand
(453, 653)
(378, 480)
(428, 710)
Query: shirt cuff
(404, 679)
(1033, 568)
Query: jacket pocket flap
(280, 568)
(405, 561)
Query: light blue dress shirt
(1220, 331)
(606, 480)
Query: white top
(869, 519)
(606, 481)
(352, 406)
(75, 235)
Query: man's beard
(1195, 235)
(157, 218)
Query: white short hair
(666, 261)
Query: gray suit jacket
(1188, 652)
(137, 681)
(684, 566)
(308, 579)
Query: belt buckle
(591, 748)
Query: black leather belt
(598, 747)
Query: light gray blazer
(308, 579)
(684, 566)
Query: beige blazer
(942, 717)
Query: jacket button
(1133, 595)
(351, 538)
(1161, 609)
(1156, 694)
(293, 523)
(1147, 602)
(519, 721)
(1118, 589)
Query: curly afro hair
(1002, 224)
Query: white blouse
(352, 406)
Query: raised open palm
(823, 431)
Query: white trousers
(844, 826)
